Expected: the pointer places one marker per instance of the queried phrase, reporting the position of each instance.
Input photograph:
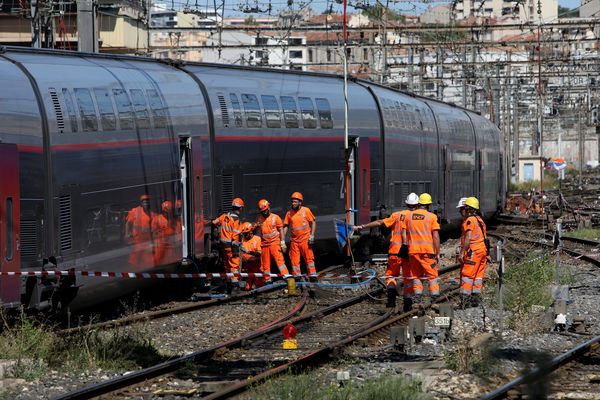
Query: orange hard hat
(263, 205)
(247, 227)
(144, 197)
(237, 202)
(297, 196)
(167, 206)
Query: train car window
(87, 110)
(237, 110)
(324, 113)
(272, 112)
(307, 110)
(70, 110)
(124, 108)
(107, 112)
(157, 108)
(9, 228)
(290, 112)
(140, 108)
(252, 110)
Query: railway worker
(167, 227)
(230, 228)
(473, 254)
(422, 233)
(270, 228)
(138, 231)
(397, 253)
(302, 223)
(251, 255)
(463, 215)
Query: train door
(10, 254)
(192, 199)
(362, 172)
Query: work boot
(313, 279)
(416, 301)
(392, 293)
(475, 300)
(407, 304)
(434, 298)
(235, 291)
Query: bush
(550, 182)
(305, 386)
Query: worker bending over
(251, 252)
(230, 228)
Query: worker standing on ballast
(422, 233)
(473, 254)
(230, 228)
(302, 223)
(270, 228)
(251, 252)
(397, 253)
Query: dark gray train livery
(84, 135)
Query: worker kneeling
(422, 234)
(251, 252)
(473, 254)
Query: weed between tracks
(310, 386)
(588, 233)
(34, 349)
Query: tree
(565, 12)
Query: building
(521, 11)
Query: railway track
(574, 374)
(230, 367)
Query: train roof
(71, 53)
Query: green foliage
(35, 348)
(527, 284)
(307, 386)
(466, 359)
(379, 12)
(550, 182)
(566, 12)
(587, 233)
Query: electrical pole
(87, 29)
(581, 141)
(516, 138)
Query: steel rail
(204, 354)
(164, 313)
(318, 356)
(538, 372)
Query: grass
(586, 233)
(550, 182)
(36, 348)
(309, 386)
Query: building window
(252, 110)
(295, 53)
(310, 56)
(324, 113)
(328, 55)
(237, 110)
(290, 112)
(107, 112)
(124, 109)
(87, 110)
(140, 109)
(295, 41)
(307, 110)
(261, 41)
(272, 113)
(365, 54)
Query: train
(83, 136)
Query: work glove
(403, 253)
(311, 239)
(283, 246)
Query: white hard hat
(412, 199)
(461, 202)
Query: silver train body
(84, 135)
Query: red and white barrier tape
(157, 275)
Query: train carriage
(84, 135)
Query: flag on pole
(342, 231)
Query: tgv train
(83, 136)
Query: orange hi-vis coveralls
(168, 236)
(397, 224)
(252, 263)
(230, 228)
(270, 228)
(142, 254)
(298, 221)
(475, 257)
(420, 225)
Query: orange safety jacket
(269, 229)
(230, 228)
(420, 226)
(254, 244)
(141, 224)
(299, 224)
(478, 234)
(396, 222)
